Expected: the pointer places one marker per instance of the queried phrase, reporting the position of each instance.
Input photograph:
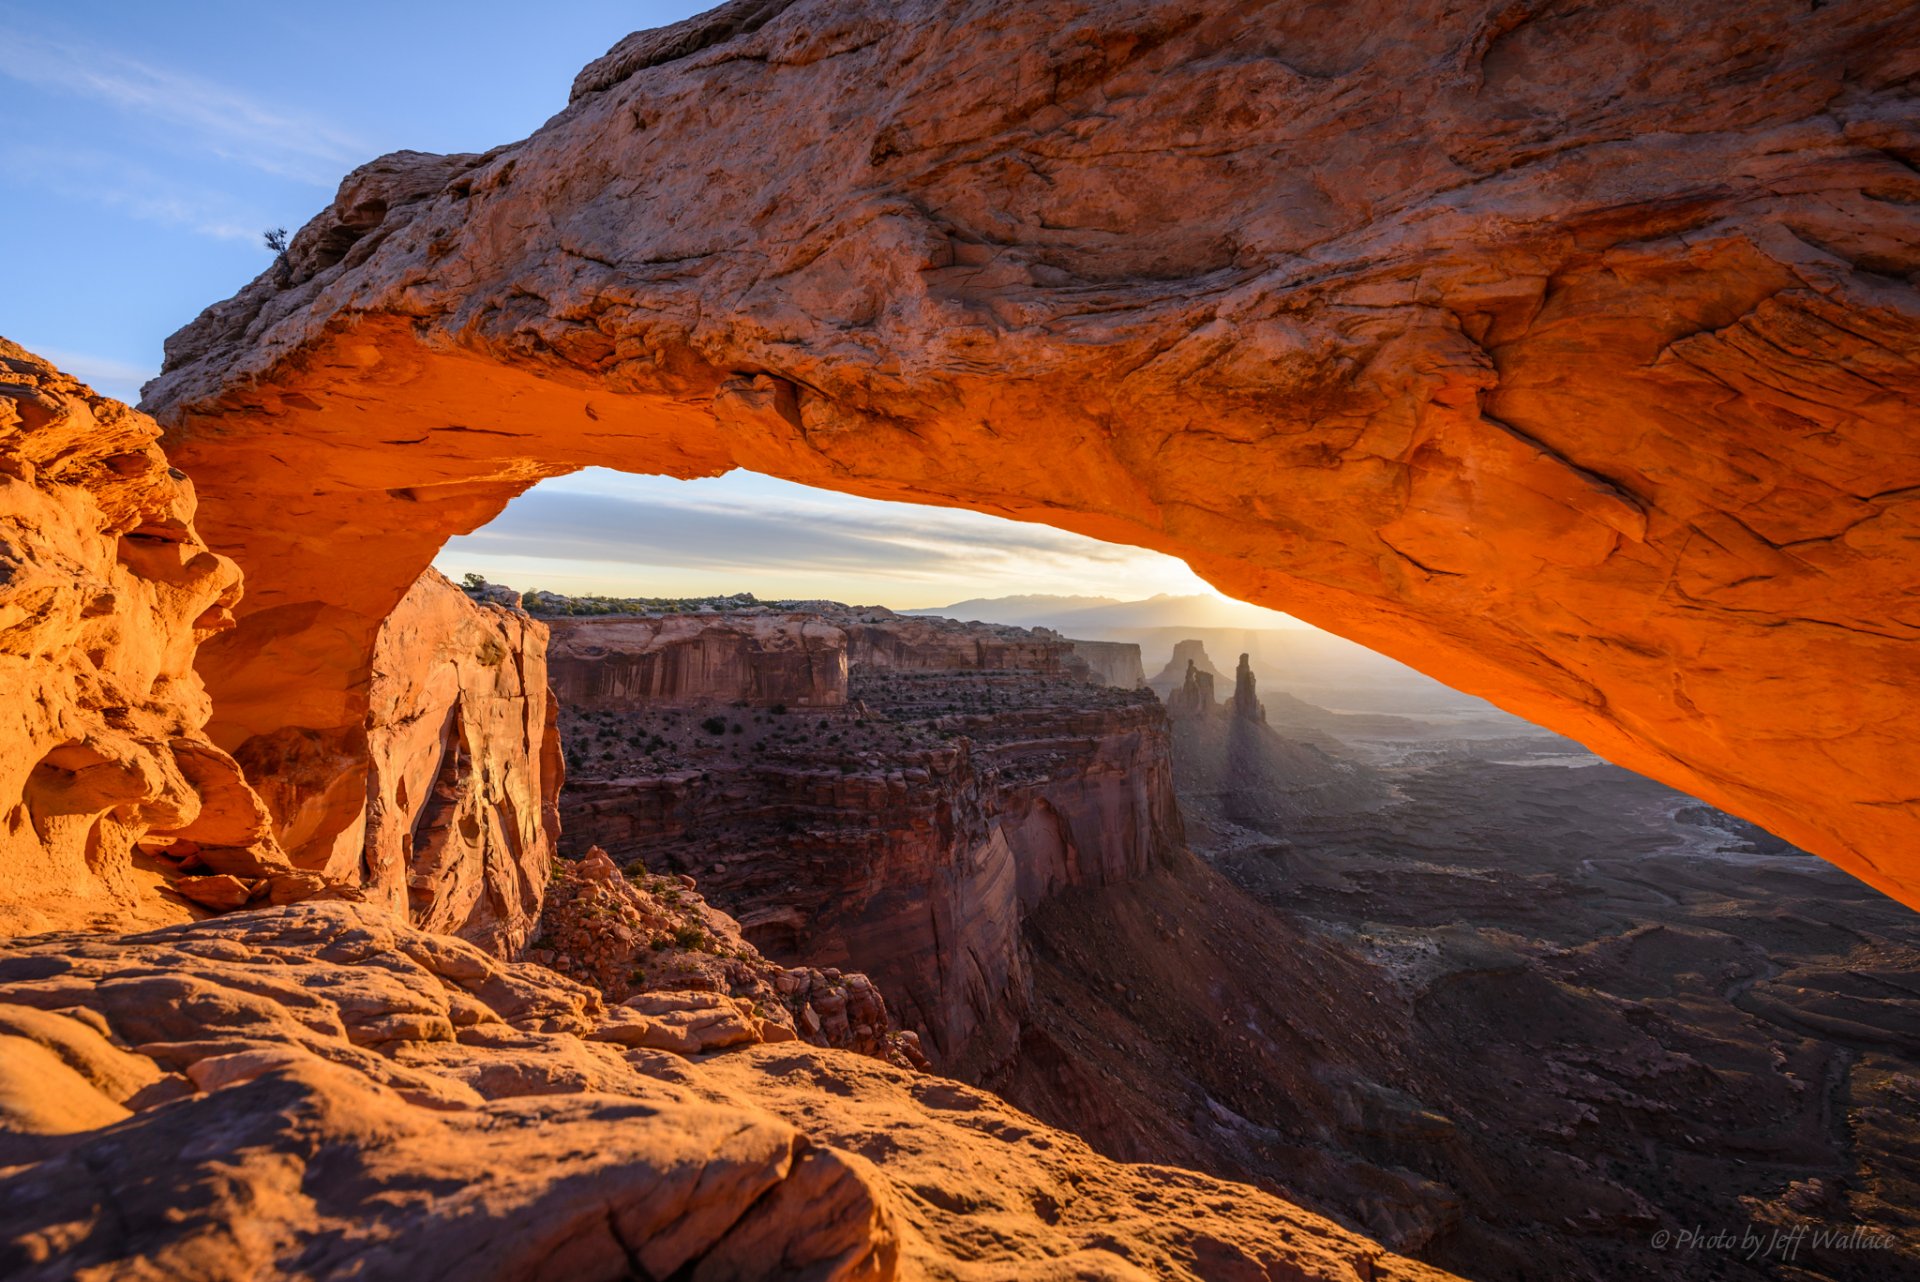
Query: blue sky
(147, 147)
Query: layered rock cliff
(1565, 354)
(906, 834)
(117, 806)
(1114, 663)
(629, 662)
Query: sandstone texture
(322, 1091)
(443, 803)
(1566, 354)
(109, 787)
(464, 761)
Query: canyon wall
(623, 661)
(1565, 354)
(1114, 663)
(916, 641)
(112, 794)
(907, 833)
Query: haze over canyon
(1511, 876)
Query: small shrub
(714, 725)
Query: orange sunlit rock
(1569, 357)
(107, 784)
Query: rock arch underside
(1568, 353)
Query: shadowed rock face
(1565, 354)
(620, 662)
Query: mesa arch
(1566, 354)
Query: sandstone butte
(1567, 354)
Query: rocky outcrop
(464, 765)
(765, 659)
(1114, 663)
(1246, 704)
(117, 806)
(1194, 699)
(323, 1091)
(1429, 328)
(905, 836)
(1186, 654)
(654, 945)
(444, 803)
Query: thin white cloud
(205, 116)
(132, 189)
(117, 378)
(634, 535)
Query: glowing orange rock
(1570, 357)
(105, 592)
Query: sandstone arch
(1566, 352)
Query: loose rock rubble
(654, 945)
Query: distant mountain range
(1095, 616)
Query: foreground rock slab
(1566, 354)
(320, 1091)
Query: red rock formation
(105, 592)
(323, 1091)
(464, 767)
(654, 945)
(444, 802)
(621, 661)
(930, 643)
(1566, 355)
(906, 836)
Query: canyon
(358, 925)
(318, 1077)
(1413, 978)
(913, 811)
